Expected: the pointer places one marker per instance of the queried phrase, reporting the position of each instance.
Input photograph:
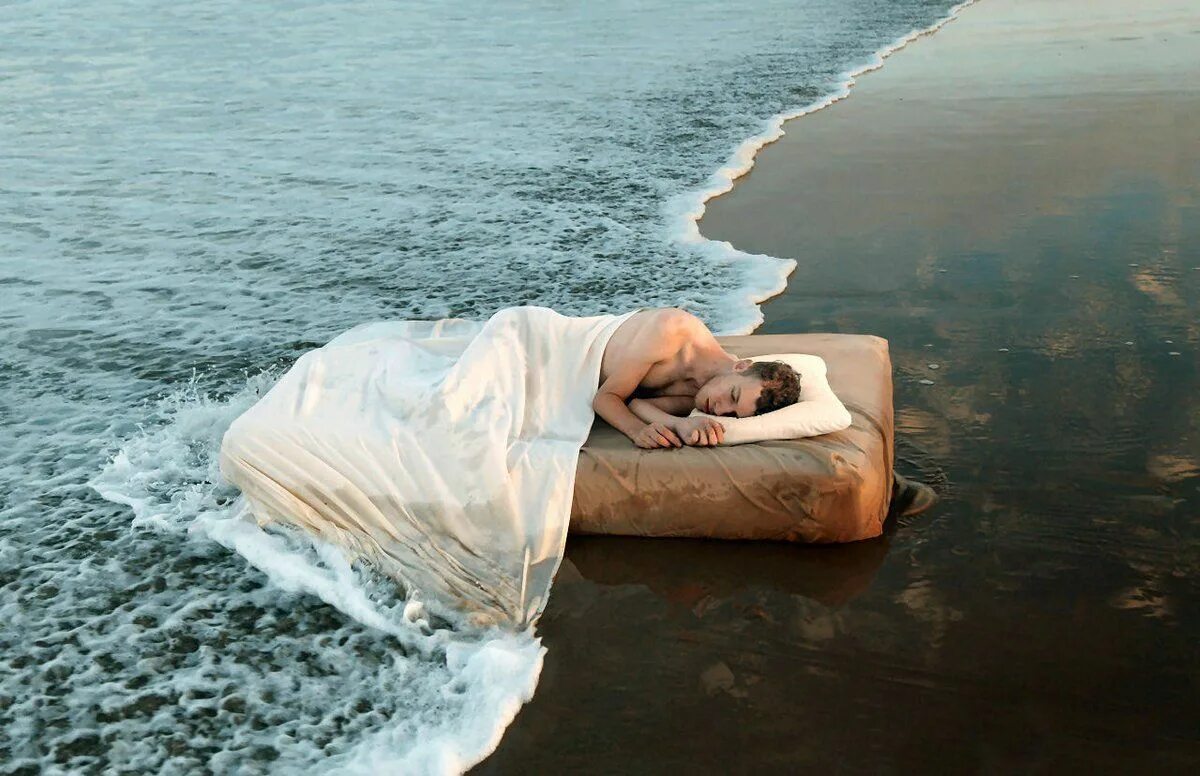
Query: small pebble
(1169, 342)
(925, 382)
(932, 366)
(1074, 276)
(1133, 264)
(928, 344)
(1003, 350)
(1127, 342)
(1174, 353)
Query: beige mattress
(831, 488)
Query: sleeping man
(661, 364)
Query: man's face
(731, 394)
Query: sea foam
(439, 692)
(201, 192)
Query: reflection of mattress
(831, 488)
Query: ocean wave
(433, 696)
(199, 193)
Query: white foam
(179, 225)
(462, 685)
(767, 275)
(462, 708)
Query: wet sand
(1016, 200)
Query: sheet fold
(433, 451)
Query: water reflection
(1031, 252)
(701, 573)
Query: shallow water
(1030, 246)
(192, 195)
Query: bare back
(665, 339)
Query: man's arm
(610, 405)
(652, 344)
(650, 413)
(678, 406)
(701, 431)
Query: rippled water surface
(1029, 243)
(193, 194)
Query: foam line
(769, 274)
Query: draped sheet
(445, 452)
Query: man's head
(749, 388)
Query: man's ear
(743, 365)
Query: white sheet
(445, 451)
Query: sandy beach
(1014, 203)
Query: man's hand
(656, 435)
(700, 432)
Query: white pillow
(818, 412)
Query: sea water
(193, 194)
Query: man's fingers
(673, 437)
(694, 438)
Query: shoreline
(692, 206)
(1015, 206)
(1078, 71)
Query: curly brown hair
(781, 385)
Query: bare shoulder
(648, 337)
(664, 329)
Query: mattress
(831, 488)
